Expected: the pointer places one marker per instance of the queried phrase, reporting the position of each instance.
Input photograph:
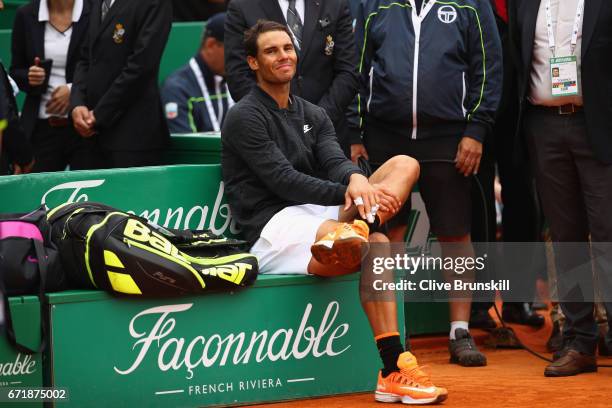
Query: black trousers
(55, 148)
(576, 193)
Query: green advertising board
(18, 370)
(285, 338)
(179, 197)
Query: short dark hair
(262, 26)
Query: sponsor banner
(283, 341)
(182, 197)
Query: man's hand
(468, 157)
(361, 190)
(357, 151)
(36, 74)
(82, 120)
(386, 199)
(59, 102)
(25, 169)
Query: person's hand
(387, 200)
(360, 190)
(36, 74)
(81, 119)
(25, 169)
(59, 102)
(357, 151)
(468, 157)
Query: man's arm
(245, 134)
(143, 62)
(485, 78)
(329, 153)
(239, 76)
(78, 92)
(344, 85)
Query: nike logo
(307, 128)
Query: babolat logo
(139, 232)
(233, 273)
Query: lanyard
(426, 6)
(211, 112)
(575, 29)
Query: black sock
(389, 349)
(377, 227)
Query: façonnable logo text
(160, 341)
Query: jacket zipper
(417, 19)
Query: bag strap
(10, 332)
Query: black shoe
(463, 350)
(555, 341)
(522, 313)
(480, 319)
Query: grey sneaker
(463, 350)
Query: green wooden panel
(17, 369)
(194, 148)
(307, 338)
(8, 14)
(183, 43)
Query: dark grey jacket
(273, 158)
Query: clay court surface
(513, 378)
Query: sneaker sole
(405, 399)
(345, 252)
(471, 363)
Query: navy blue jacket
(449, 83)
(184, 103)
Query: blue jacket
(183, 100)
(446, 83)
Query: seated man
(195, 97)
(292, 190)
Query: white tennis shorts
(283, 247)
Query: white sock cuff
(458, 324)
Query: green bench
(286, 337)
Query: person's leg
(48, 145)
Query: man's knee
(405, 165)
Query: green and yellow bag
(108, 249)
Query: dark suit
(329, 81)
(54, 147)
(117, 78)
(572, 158)
(29, 42)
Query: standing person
(115, 94)
(51, 30)
(323, 34)
(432, 96)
(292, 191)
(15, 148)
(196, 97)
(567, 124)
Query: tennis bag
(112, 250)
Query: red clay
(513, 378)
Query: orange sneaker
(342, 246)
(409, 385)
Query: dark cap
(215, 27)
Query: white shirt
(563, 14)
(299, 7)
(56, 49)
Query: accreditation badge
(564, 76)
